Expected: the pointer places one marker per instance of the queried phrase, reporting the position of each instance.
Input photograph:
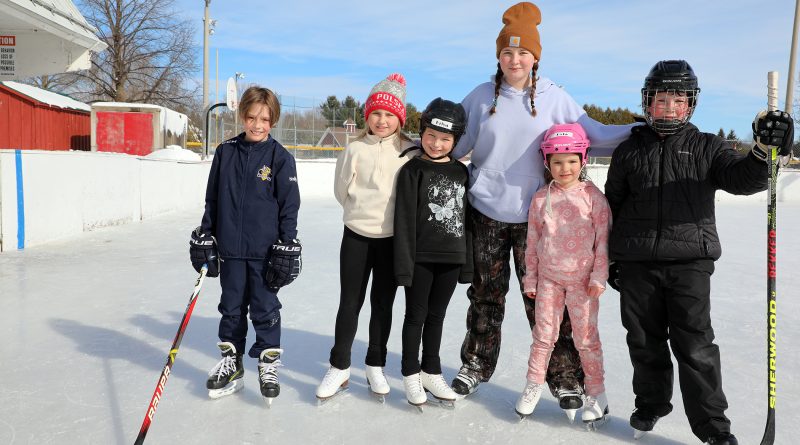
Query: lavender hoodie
(506, 167)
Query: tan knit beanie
(519, 30)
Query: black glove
(284, 263)
(613, 275)
(773, 129)
(203, 250)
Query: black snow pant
(360, 255)
(670, 302)
(493, 242)
(243, 290)
(426, 303)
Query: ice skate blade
(638, 434)
(417, 406)
(571, 414)
(594, 425)
(442, 403)
(231, 388)
(269, 400)
(380, 397)
(323, 400)
(521, 416)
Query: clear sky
(600, 51)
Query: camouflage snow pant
(492, 243)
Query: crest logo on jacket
(264, 173)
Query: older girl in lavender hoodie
(506, 119)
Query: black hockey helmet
(445, 116)
(669, 76)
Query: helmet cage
(674, 77)
(666, 127)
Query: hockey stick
(772, 271)
(173, 351)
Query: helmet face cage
(666, 127)
(565, 138)
(672, 77)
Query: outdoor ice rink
(86, 325)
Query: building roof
(335, 137)
(47, 37)
(46, 97)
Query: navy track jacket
(252, 198)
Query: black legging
(426, 303)
(358, 257)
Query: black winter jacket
(661, 193)
(252, 198)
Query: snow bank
(174, 153)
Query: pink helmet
(565, 138)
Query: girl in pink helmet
(566, 262)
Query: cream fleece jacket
(364, 183)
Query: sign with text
(8, 47)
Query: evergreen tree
(329, 110)
(619, 116)
(412, 119)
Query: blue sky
(599, 51)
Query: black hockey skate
(268, 363)
(225, 378)
(643, 421)
(466, 382)
(722, 439)
(570, 400)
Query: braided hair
(498, 80)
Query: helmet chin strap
(437, 158)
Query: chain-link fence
(305, 128)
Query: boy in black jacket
(660, 187)
(432, 246)
(252, 200)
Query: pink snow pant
(551, 296)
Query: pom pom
(397, 77)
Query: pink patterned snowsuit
(567, 252)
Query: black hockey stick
(173, 351)
(772, 271)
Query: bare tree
(60, 83)
(149, 57)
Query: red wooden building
(32, 118)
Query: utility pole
(216, 100)
(788, 105)
(206, 25)
(236, 78)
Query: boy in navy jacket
(252, 200)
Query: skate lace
(531, 392)
(469, 379)
(567, 392)
(268, 372)
(330, 376)
(439, 383)
(224, 367)
(415, 385)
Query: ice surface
(86, 326)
